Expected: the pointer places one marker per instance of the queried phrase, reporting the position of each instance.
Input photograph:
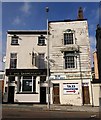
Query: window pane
(41, 40)
(27, 85)
(69, 60)
(13, 55)
(13, 60)
(41, 61)
(14, 40)
(68, 38)
(13, 63)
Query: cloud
(26, 8)
(84, 9)
(17, 20)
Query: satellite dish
(4, 59)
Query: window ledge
(14, 44)
(41, 44)
(26, 93)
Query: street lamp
(48, 90)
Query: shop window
(28, 84)
(13, 60)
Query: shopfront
(24, 85)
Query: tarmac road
(33, 114)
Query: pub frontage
(26, 85)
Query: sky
(32, 16)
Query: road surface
(27, 114)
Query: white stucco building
(69, 60)
(25, 66)
(71, 69)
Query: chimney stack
(80, 13)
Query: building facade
(70, 78)
(69, 64)
(25, 67)
(98, 43)
(96, 84)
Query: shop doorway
(11, 94)
(56, 98)
(86, 97)
(42, 95)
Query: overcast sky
(32, 16)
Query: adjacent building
(96, 83)
(2, 76)
(98, 47)
(69, 64)
(25, 66)
(71, 68)
(96, 73)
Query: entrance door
(86, 98)
(11, 94)
(56, 98)
(42, 95)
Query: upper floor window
(68, 38)
(34, 59)
(41, 40)
(14, 40)
(13, 60)
(41, 60)
(70, 60)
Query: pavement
(85, 108)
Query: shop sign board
(70, 88)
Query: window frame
(14, 40)
(33, 84)
(71, 55)
(41, 61)
(68, 32)
(68, 38)
(13, 60)
(41, 40)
